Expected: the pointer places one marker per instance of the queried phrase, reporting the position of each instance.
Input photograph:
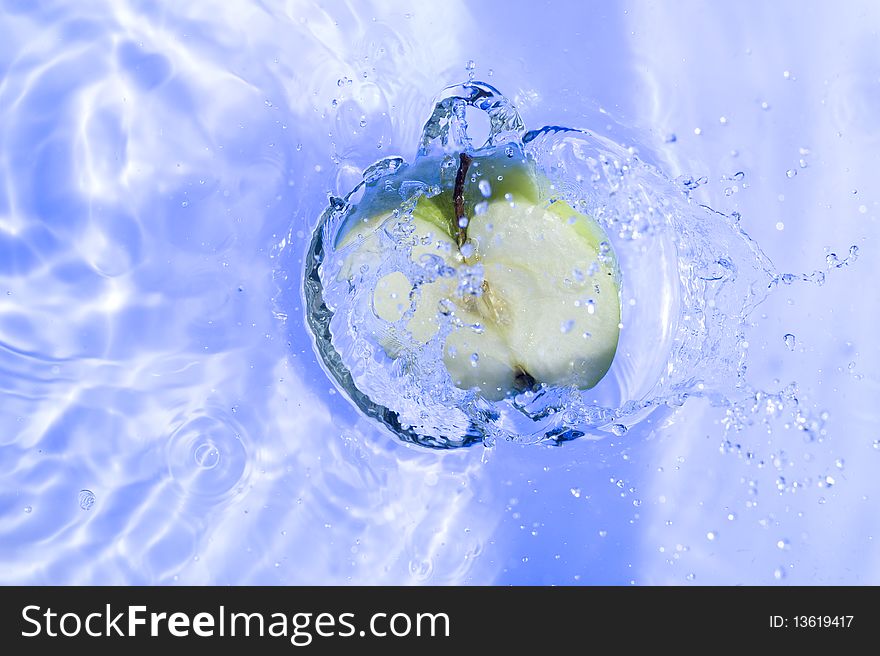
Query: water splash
(691, 277)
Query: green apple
(544, 306)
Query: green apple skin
(549, 308)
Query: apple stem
(464, 162)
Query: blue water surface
(164, 416)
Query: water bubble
(839, 463)
(591, 306)
(670, 138)
(463, 222)
(779, 573)
(691, 576)
(877, 445)
(206, 456)
(185, 203)
(723, 120)
(28, 509)
(603, 533)
(790, 341)
(790, 173)
(618, 429)
(575, 492)
(485, 188)
(566, 326)
(783, 544)
(765, 105)
(731, 516)
(363, 122)
(86, 499)
(481, 208)
(711, 535)
(475, 359)
(421, 570)
(802, 163)
(470, 65)
(698, 131)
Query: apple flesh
(543, 306)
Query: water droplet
(790, 341)
(780, 225)
(485, 188)
(470, 65)
(481, 208)
(463, 222)
(475, 359)
(566, 326)
(206, 455)
(185, 203)
(711, 535)
(877, 445)
(787, 75)
(790, 173)
(698, 131)
(637, 502)
(603, 533)
(618, 429)
(575, 492)
(829, 481)
(778, 573)
(28, 509)
(723, 120)
(671, 138)
(782, 544)
(802, 163)
(691, 576)
(765, 105)
(363, 122)
(467, 249)
(86, 499)
(731, 517)
(839, 463)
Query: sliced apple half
(532, 285)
